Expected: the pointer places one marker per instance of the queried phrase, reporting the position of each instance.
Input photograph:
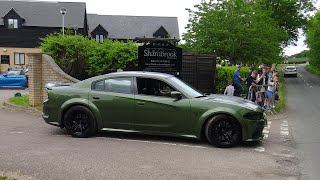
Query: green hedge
(225, 74)
(313, 69)
(82, 57)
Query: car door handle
(140, 103)
(95, 97)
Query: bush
(82, 57)
(225, 74)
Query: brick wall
(43, 70)
(9, 51)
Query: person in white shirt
(229, 89)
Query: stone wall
(43, 70)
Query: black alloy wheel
(79, 121)
(223, 131)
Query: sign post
(160, 56)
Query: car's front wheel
(79, 121)
(223, 131)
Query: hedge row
(225, 74)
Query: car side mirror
(176, 94)
(5, 75)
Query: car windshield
(290, 68)
(13, 73)
(186, 88)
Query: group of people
(261, 85)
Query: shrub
(225, 74)
(82, 57)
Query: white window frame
(13, 23)
(19, 58)
(99, 38)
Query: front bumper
(254, 130)
(47, 120)
(290, 72)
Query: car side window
(99, 86)
(116, 85)
(153, 87)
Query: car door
(114, 98)
(160, 113)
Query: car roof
(290, 67)
(140, 73)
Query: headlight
(253, 115)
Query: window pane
(15, 23)
(119, 85)
(16, 58)
(99, 85)
(101, 38)
(21, 58)
(10, 23)
(97, 38)
(5, 59)
(153, 87)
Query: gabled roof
(45, 14)
(13, 9)
(130, 27)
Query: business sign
(160, 58)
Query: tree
(239, 29)
(313, 39)
(290, 16)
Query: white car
(290, 71)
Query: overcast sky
(175, 8)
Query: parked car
(13, 78)
(290, 71)
(151, 103)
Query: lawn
(20, 101)
(5, 178)
(298, 60)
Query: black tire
(80, 122)
(223, 131)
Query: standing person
(270, 92)
(237, 81)
(263, 82)
(252, 82)
(229, 89)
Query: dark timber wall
(199, 71)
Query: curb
(9, 105)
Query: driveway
(31, 147)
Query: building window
(19, 58)
(99, 38)
(5, 59)
(13, 23)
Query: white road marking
(265, 131)
(284, 133)
(260, 149)
(305, 81)
(284, 130)
(265, 136)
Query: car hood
(233, 101)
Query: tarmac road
(304, 113)
(29, 146)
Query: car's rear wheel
(80, 122)
(223, 131)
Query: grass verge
(313, 69)
(5, 178)
(20, 101)
(281, 104)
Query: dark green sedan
(151, 103)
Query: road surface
(30, 147)
(303, 103)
